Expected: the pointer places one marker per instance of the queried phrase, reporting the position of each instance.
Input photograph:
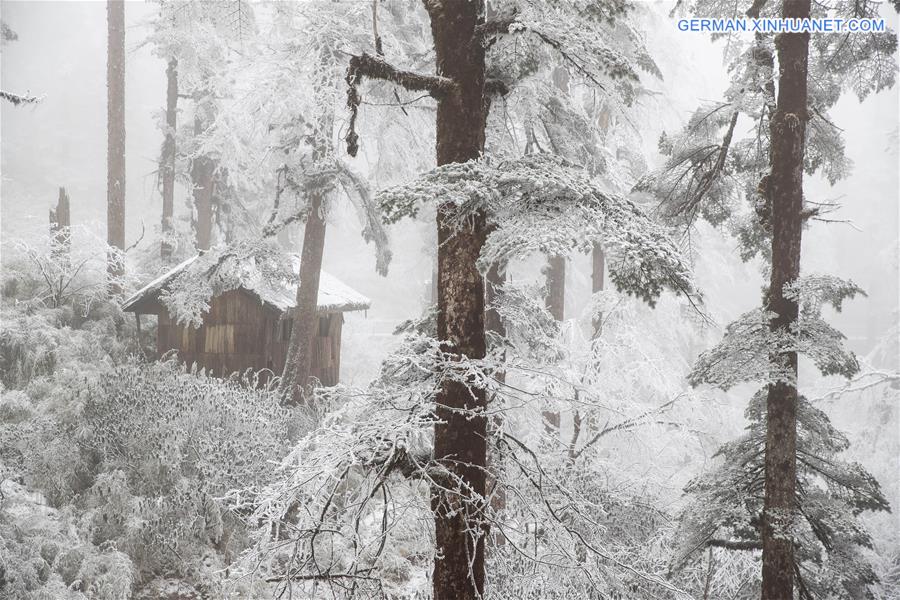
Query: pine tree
(167, 162)
(778, 469)
(463, 92)
(785, 191)
(115, 152)
(197, 40)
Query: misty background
(60, 55)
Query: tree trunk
(202, 179)
(297, 367)
(115, 150)
(598, 275)
(168, 160)
(295, 380)
(788, 128)
(61, 228)
(460, 436)
(555, 272)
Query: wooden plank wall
(240, 333)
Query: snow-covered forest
(451, 299)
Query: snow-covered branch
(542, 203)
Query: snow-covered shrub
(53, 272)
(42, 557)
(38, 343)
(27, 349)
(150, 457)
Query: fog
(60, 56)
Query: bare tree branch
(490, 29)
(736, 544)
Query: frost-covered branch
(580, 35)
(542, 203)
(373, 229)
(831, 492)
(750, 350)
(354, 497)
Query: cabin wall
(241, 333)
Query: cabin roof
(334, 295)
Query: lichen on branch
(374, 67)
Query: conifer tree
(115, 151)
(782, 487)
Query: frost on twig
(593, 39)
(350, 507)
(814, 291)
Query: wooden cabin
(250, 328)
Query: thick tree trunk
(788, 127)
(115, 150)
(598, 276)
(460, 436)
(168, 160)
(297, 367)
(203, 181)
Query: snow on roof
(334, 295)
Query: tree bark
(203, 181)
(115, 150)
(460, 435)
(168, 160)
(788, 128)
(297, 367)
